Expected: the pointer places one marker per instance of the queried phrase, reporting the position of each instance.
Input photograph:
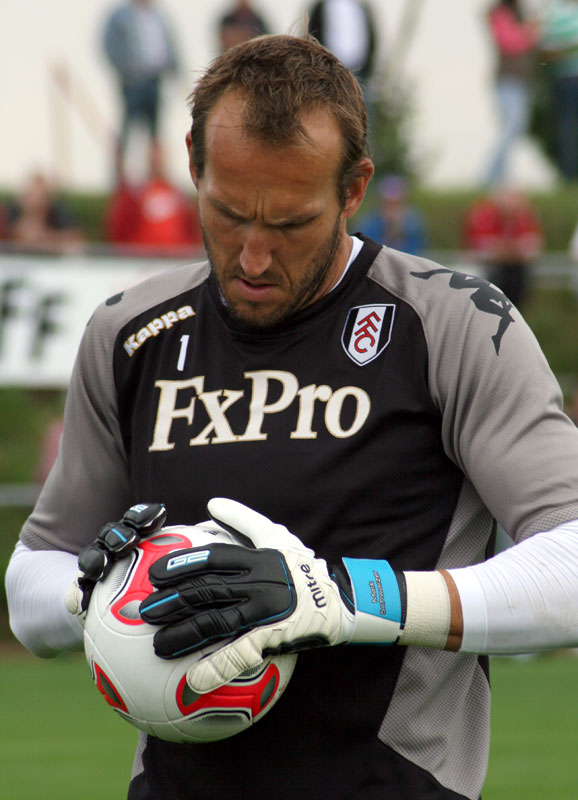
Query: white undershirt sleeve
(36, 584)
(521, 600)
(525, 598)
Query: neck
(341, 261)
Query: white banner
(45, 304)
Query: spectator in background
(559, 45)
(503, 232)
(347, 28)
(154, 217)
(140, 48)
(396, 223)
(38, 222)
(239, 24)
(515, 42)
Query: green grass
(535, 735)
(58, 738)
(553, 317)
(24, 415)
(60, 741)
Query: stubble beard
(309, 286)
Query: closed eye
(289, 226)
(296, 223)
(229, 215)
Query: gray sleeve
(88, 485)
(503, 423)
(501, 406)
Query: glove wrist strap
(380, 601)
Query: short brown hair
(281, 78)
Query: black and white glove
(273, 596)
(115, 540)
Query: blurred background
(473, 107)
(441, 51)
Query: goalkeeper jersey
(395, 418)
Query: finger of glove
(73, 599)
(175, 603)
(226, 563)
(225, 664)
(195, 633)
(117, 538)
(247, 522)
(146, 518)
(240, 606)
(93, 561)
(86, 586)
(225, 535)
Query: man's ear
(192, 170)
(357, 187)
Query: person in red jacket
(503, 232)
(155, 217)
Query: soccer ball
(152, 693)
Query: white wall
(449, 64)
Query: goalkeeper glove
(278, 598)
(115, 540)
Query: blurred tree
(542, 118)
(391, 123)
(392, 106)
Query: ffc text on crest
(367, 331)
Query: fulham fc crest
(367, 332)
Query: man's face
(273, 226)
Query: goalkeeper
(362, 417)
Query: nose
(257, 253)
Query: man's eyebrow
(298, 219)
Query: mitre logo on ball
(152, 693)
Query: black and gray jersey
(397, 417)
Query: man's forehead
(228, 117)
(228, 111)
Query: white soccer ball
(152, 693)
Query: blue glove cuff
(380, 602)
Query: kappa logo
(367, 332)
(486, 297)
(155, 326)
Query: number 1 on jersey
(183, 352)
